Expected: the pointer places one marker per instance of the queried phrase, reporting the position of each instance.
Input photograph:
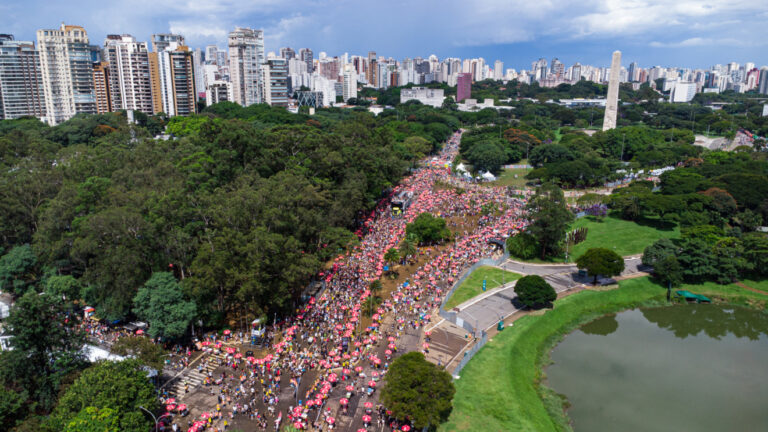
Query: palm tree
(391, 257)
(407, 248)
(375, 286)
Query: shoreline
(520, 355)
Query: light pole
(156, 419)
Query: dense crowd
(322, 354)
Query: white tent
(461, 168)
(488, 176)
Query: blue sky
(685, 33)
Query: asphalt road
(486, 312)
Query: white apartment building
(67, 72)
(129, 77)
(246, 57)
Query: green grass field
(473, 285)
(507, 178)
(621, 236)
(499, 389)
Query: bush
(523, 246)
(428, 228)
(533, 290)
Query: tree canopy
(428, 228)
(601, 261)
(161, 303)
(533, 290)
(418, 390)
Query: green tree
(601, 261)
(418, 390)
(408, 247)
(63, 286)
(533, 290)
(523, 246)
(391, 257)
(92, 419)
(161, 303)
(17, 270)
(549, 218)
(147, 352)
(487, 156)
(46, 347)
(428, 228)
(13, 407)
(659, 250)
(549, 154)
(119, 386)
(669, 273)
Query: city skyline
(679, 34)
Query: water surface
(685, 368)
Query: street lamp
(156, 419)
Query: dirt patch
(747, 287)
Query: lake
(682, 368)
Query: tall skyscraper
(67, 72)
(576, 72)
(763, 82)
(463, 87)
(21, 86)
(350, 83)
(305, 55)
(275, 87)
(102, 88)
(612, 100)
(498, 70)
(246, 57)
(287, 53)
(210, 53)
(557, 68)
(129, 77)
(177, 81)
(633, 72)
(163, 41)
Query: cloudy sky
(686, 33)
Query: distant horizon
(680, 34)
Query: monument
(612, 101)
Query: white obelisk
(612, 101)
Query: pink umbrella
(371, 383)
(181, 407)
(344, 401)
(298, 425)
(368, 405)
(405, 428)
(332, 377)
(170, 401)
(170, 407)
(358, 369)
(227, 332)
(366, 418)
(330, 420)
(238, 356)
(349, 388)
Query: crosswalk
(193, 377)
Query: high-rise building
(211, 53)
(463, 87)
(633, 72)
(164, 41)
(612, 99)
(350, 84)
(21, 83)
(576, 72)
(67, 72)
(218, 91)
(275, 87)
(498, 70)
(102, 88)
(246, 57)
(305, 55)
(172, 73)
(557, 68)
(129, 78)
(287, 53)
(763, 82)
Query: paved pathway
(487, 310)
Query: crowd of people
(324, 361)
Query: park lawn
(473, 284)
(507, 178)
(622, 236)
(499, 389)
